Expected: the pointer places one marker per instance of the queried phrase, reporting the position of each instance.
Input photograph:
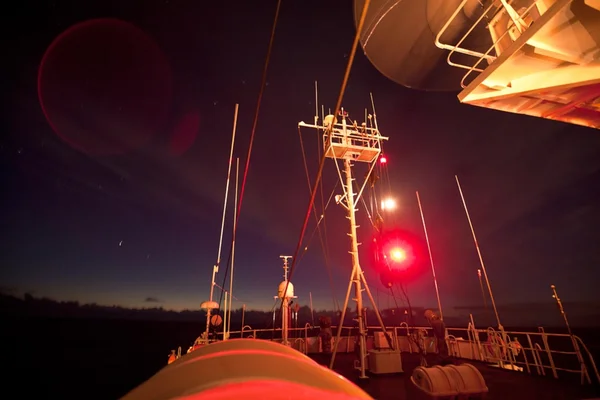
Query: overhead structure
(534, 57)
(399, 40)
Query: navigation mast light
(388, 204)
(398, 254)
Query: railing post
(548, 352)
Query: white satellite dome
(281, 289)
(329, 119)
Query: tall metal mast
(285, 292)
(211, 304)
(352, 143)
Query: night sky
(139, 227)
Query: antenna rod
(437, 291)
(562, 310)
(485, 275)
(225, 322)
(312, 313)
(216, 266)
(243, 317)
(482, 289)
(374, 112)
(575, 345)
(316, 103)
(285, 266)
(237, 182)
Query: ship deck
(502, 384)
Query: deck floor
(502, 384)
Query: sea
(105, 358)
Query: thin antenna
(237, 182)
(487, 281)
(216, 266)
(582, 364)
(286, 267)
(374, 113)
(482, 289)
(437, 291)
(312, 312)
(316, 103)
(322, 112)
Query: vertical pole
(316, 103)
(362, 332)
(584, 373)
(243, 318)
(487, 281)
(216, 267)
(312, 313)
(237, 175)
(284, 319)
(225, 322)
(437, 290)
(482, 289)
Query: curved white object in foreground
(246, 368)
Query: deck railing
(538, 352)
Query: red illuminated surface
(184, 133)
(249, 369)
(105, 86)
(383, 159)
(267, 389)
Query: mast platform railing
(357, 142)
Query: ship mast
(350, 143)
(211, 304)
(285, 293)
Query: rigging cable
(322, 219)
(327, 133)
(258, 102)
(253, 132)
(323, 208)
(318, 222)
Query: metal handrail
(455, 48)
(511, 23)
(495, 350)
(514, 16)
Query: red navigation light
(383, 159)
(398, 255)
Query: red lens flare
(398, 255)
(105, 87)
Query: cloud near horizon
(151, 299)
